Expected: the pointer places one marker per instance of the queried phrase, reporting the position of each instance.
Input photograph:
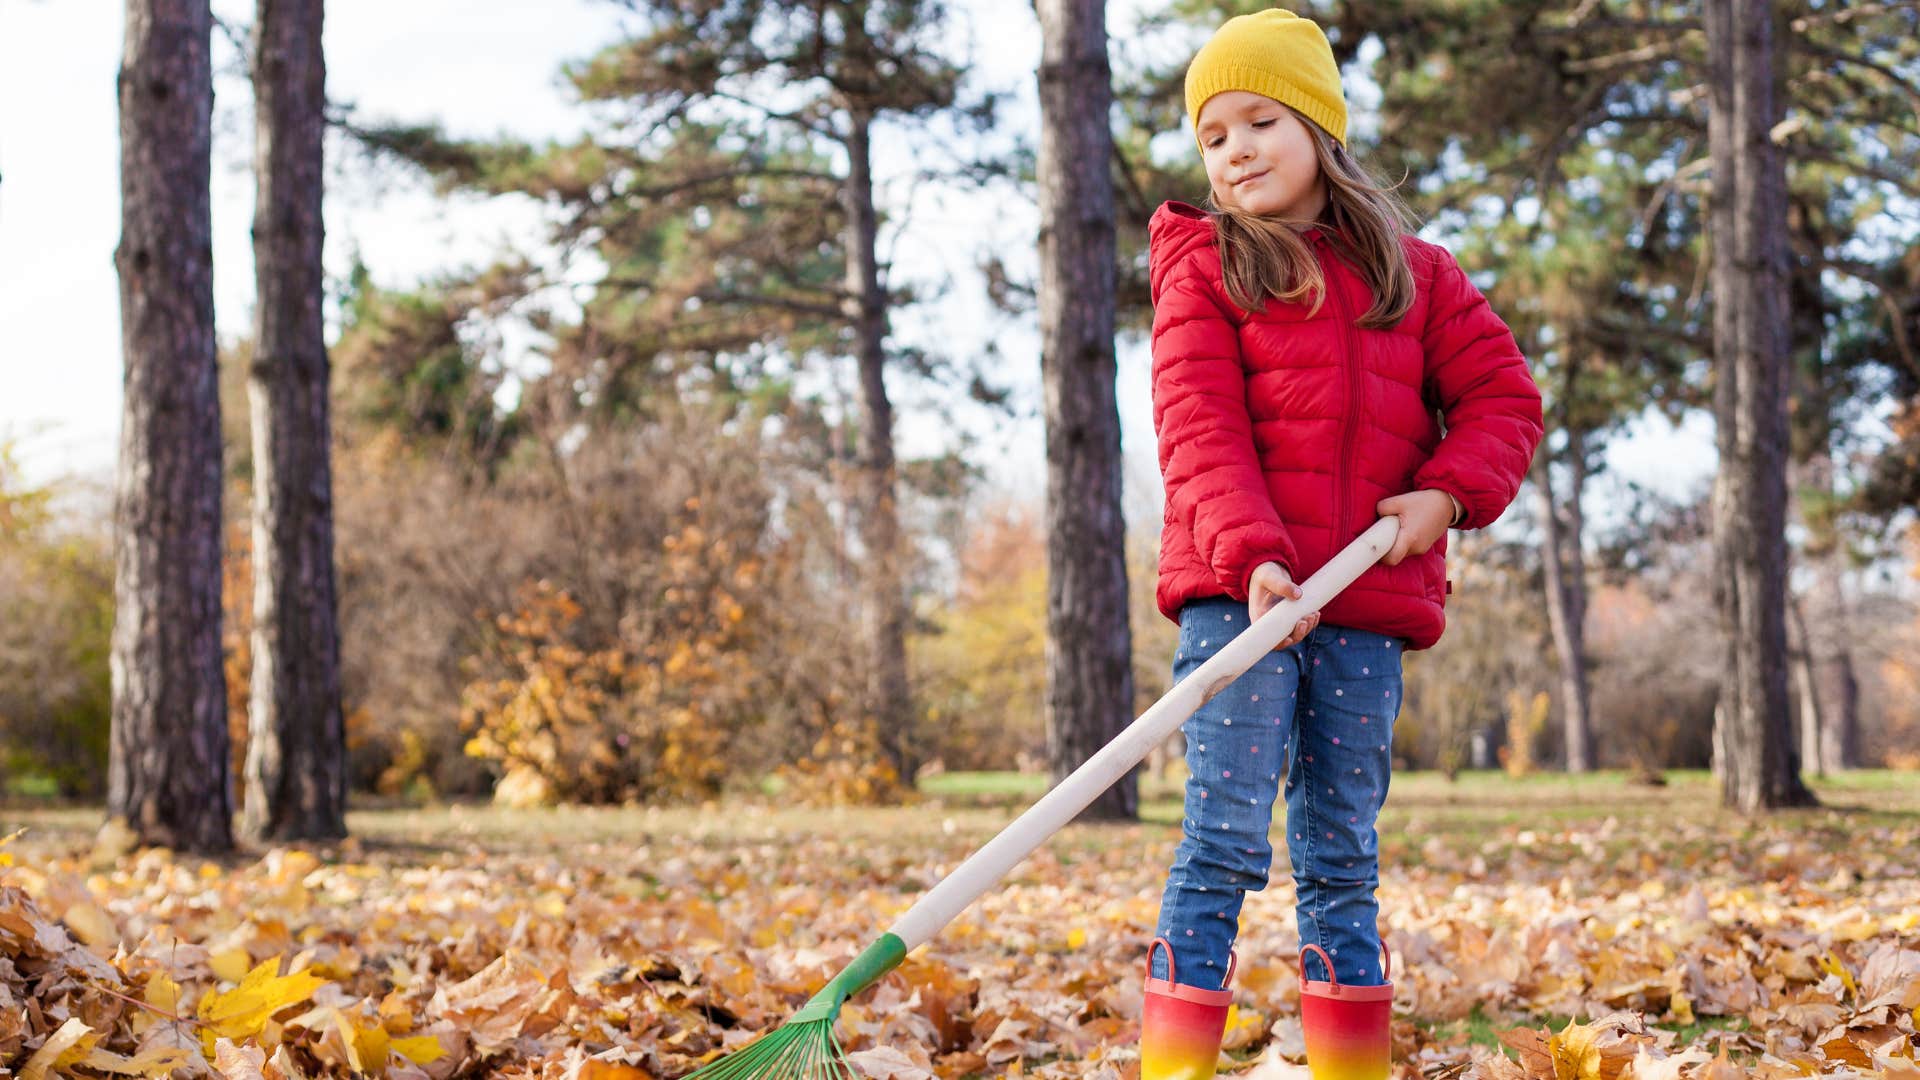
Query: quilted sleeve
(1214, 483)
(1486, 394)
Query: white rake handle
(1056, 808)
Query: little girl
(1314, 367)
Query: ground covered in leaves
(1550, 929)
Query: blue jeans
(1321, 713)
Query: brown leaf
(1535, 1059)
(239, 1062)
(495, 1004)
(887, 1063)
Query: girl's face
(1260, 157)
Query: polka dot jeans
(1319, 713)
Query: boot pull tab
(1160, 942)
(1332, 976)
(1386, 963)
(1233, 961)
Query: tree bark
(1753, 737)
(1834, 678)
(889, 701)
(1566, 580)
(1811, 718)
(1829, 692)
(296, 737)
(1089, 641)
(168, 775)
(1828, 633)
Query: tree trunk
(1811, 716)
(1832, 743)
(1089, 642)
(1825, 624)
(1753, 739)
(1830, 656)
(296, 738)
(167, 775)
(1566, 578)
(888, 699)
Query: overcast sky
(478, 66)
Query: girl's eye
(1262, 123)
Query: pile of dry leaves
(1780, 951)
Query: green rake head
(805, 1048)
(801, 1050)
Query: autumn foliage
(638, 715)
(1540, 932)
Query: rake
(805, 1047)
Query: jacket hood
(1175, 230)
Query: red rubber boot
(1181, 1026)
(1347, 1028)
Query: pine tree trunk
(167, 775)
(1565, 565)
(1753, 737)
(1831, 627)
(888, 698)
(1811, 718)
(296, 738)
(1832, 744)
(1089, 642)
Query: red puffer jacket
(1279, 432)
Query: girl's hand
(1269, 584)
(1424, 518)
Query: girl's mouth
(1251, 179)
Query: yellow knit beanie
(1276, 54)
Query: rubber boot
(1181, 1026)
(1348, 1028)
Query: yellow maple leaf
(1831, 964)
(91, 925)
(366, 1046)
(1077, 938)
(243, 1011)
(230, 964)
(152, 1063)
(68, 1045)
(420, 1049)
(162, 992)
(1576, 1053)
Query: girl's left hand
(1424, 518)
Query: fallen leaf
(154, 1062)
(1575, 1052)
(66, 1046)
(887, 1063)
(243, 1011)
(239, 1062)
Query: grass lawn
(1420, 806)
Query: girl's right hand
(1269, 584)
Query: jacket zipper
(1350, 425)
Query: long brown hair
(1262, 256)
